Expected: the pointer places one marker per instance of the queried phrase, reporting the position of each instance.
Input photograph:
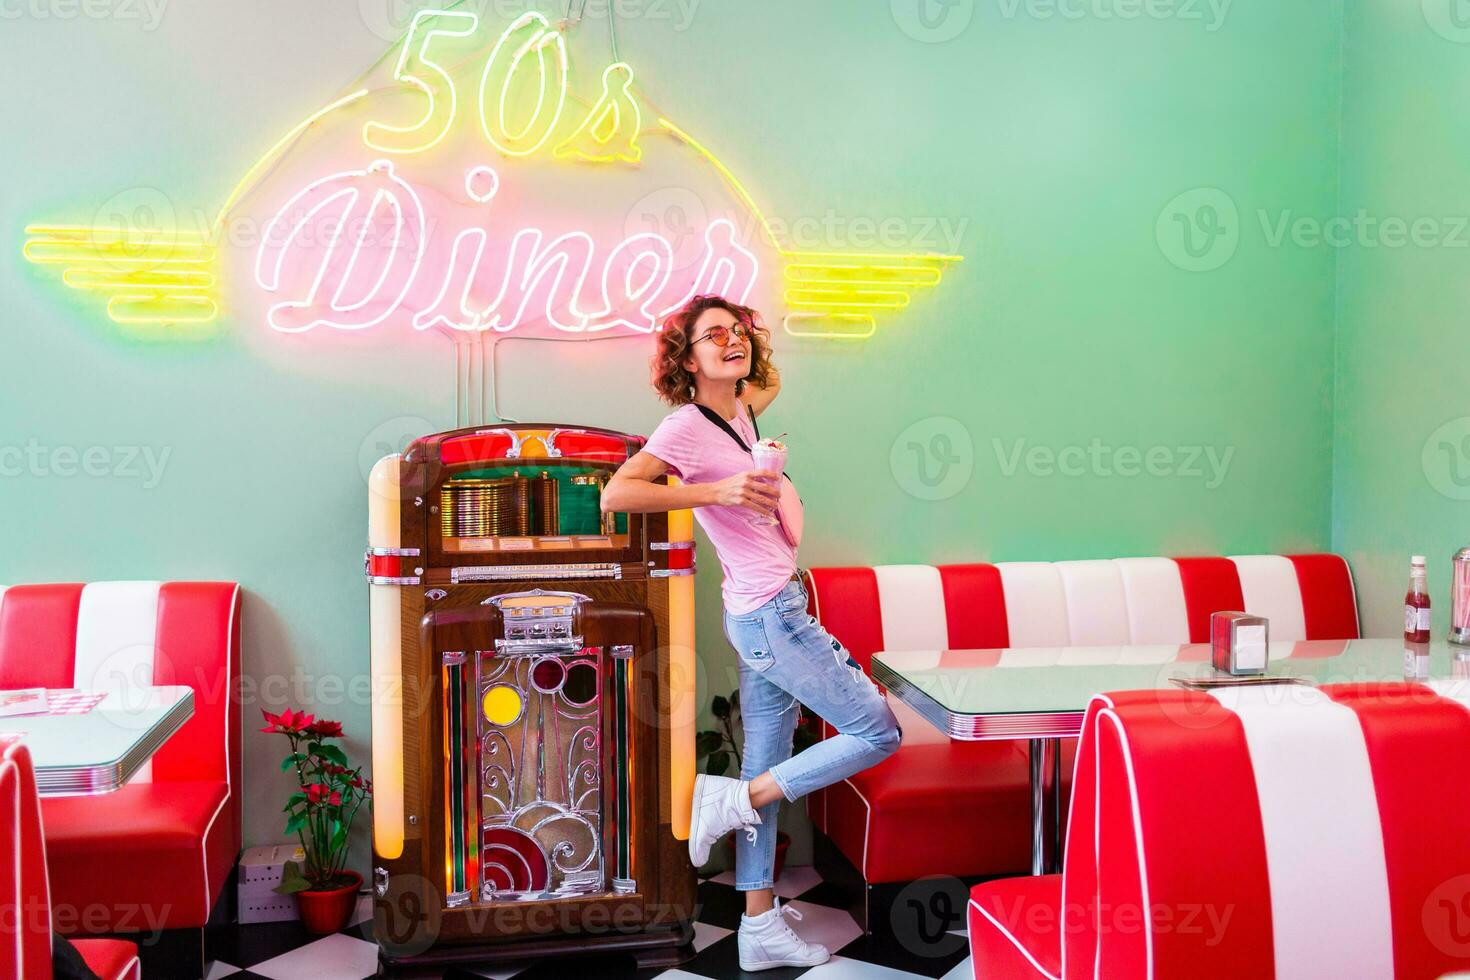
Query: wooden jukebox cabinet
(533, 704)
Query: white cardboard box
(260, 873)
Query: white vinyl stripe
(1031, 657)
(1137, 656)
(1036, 607)
(117, 624)
(1097, 611)
(1330, 915)
(1269, 587)
(911, 602)
(1155, 596)
(1455, 689)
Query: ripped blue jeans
(787, 659)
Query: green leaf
(720, 707)
(339, 837)
(294, 825)
(708, 741)
(292, 880)
(291, 761)
(717, 764)
(332, 754)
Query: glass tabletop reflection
(1042, 692)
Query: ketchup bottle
(1416, 603)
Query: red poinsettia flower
(288, 722)
(324, 729)
(322, 793)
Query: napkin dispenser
(1239, 642)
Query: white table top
(99, 751)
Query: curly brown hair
(673, 382)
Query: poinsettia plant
(321, 811)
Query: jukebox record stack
(533, 704)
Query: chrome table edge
(107, 777)
(967, 727)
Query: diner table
(89, 743)
(1040, 694)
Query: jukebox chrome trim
(669, 572)
(390, 553)
(515, 440)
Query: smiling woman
(713, 362)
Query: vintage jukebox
(533, 704)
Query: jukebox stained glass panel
(540, 735)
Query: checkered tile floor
(283, 950)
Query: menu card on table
(31, 701)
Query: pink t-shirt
(757, 560)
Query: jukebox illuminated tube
(622, 659)
(386, 654)
(681, 681)
(456, 842)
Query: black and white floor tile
(284, 951)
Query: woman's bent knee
(886, 740)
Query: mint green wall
(1050, 145)
(1402, 467)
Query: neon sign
(430, 223)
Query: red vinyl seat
(169, 838)
(910, 817)
(1251, 833)
(25, 903)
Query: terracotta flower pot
(327, 911)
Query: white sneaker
(721, 804)
(766, 942)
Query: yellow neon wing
(837, 294)
(148, 276)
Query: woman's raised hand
(754, 490)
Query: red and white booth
(155, 853)
(912, 815)
(27, 956)
(1284, 831)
